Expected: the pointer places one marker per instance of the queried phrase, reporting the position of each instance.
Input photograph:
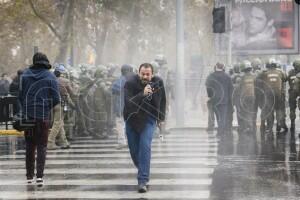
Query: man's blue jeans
(140, 148)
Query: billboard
(261, 27)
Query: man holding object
(145, 106)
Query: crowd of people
(90, 94)
(250, 88)
(63, 103)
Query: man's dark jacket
(138, 108)
(219, 88)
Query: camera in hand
(153, 86)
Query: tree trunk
(100, 42)
(133, 32)
(65, 37)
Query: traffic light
(219, 20)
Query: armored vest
(247, 85)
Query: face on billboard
(266, 27)
(257, 20)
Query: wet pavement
(255, 169)
(189, 164)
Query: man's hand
(147, 90)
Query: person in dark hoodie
(219, 89)
(38, 94)
(144, 108)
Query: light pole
(180, 78)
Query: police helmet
(60, 68)
(246, 65)
(256, 63)
(83, 68)
(160, 59)
(296, 65)
(272, 63)
(155, 66)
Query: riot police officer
(283, 128)
(256, 65)
(235, 78)
(83, 120)
(166, 75)
(273, 88)
(293, 92)
(102, 107)
(246, 88)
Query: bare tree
(64, 35)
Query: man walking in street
(219, 89)
(145, 106)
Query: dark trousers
(274, 105)
(221, 111)
(36, 139)
(211, 115)
(293, 105)
(246, 115)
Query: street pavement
(189, 163)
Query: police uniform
(167, 77)
(83, 108)
(246, 88)
(102, 107)
(273, 89)
(293, 92)
(235, 78)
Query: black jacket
(138, 108)
(219, 88)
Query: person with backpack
(38, 94)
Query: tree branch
(43, 19)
